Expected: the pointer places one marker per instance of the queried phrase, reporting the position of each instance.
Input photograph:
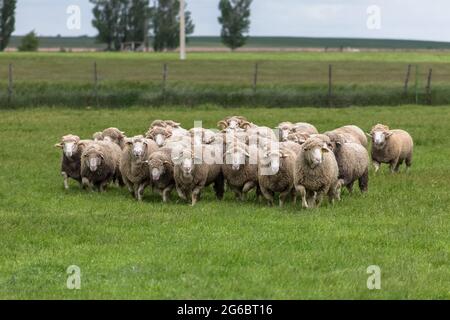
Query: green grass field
(222, 249)
(226, 79)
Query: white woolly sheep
(316, 173)
(391, 146)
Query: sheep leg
(283, 196)
(376, 165)
(268, 195)
(397, 167)
(393, 165)
(311, 198)
(302, 191)
(319, 198)
(408, 161)
(181, 194)
(86, 184)
(166, 193)
(102, 186)
(66, 180)
(350, 187)
(294, 196)
(195, 194)
(140, 191)
(364, 182)
(249, 185)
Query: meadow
(226, 79)
(224, 250)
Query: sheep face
(236, 157)
(138, 146)
(157, 168)
(313, 153)
(69, 145)
(159, 135)
(93, 160)
(271, 159)
(379, 138)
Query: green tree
(30, 42)
(165, 23)
(235, 21)
(119, 21)
(7, 21)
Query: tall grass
(125, 94)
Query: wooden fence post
(330, 85)
(408, 75)
(96, 82)
(165, 72)
(430, 74)
(10, 83)
(255, 77)
(417, 84)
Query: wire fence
(331, 84)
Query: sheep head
(236, 156)
(69, 144)
(233, 122)
(158, 166)
(313, 151)
(93, 158)
(271, 158)
(138, 146)
(379, 135)
(159, 135)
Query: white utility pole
(182, 32)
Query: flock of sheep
(294, 159)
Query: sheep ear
(325, 149)
(59, 145)
(369, 135)
(388, 134)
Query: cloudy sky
(399, 19)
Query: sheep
(316, 173)
(114, 135)
(192, 173)
(291, 146)
(233, 122)
(286, 128)
(351, 133)
(391, 146)
(276, 174)
(161, 169)
(159, 135)
(100, 164)
(353, 163)
(133, 166)
(300, 138)
(240, 174)
(202, 136)
(72, 148)
(173, 127)
(97, 136)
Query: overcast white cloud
(401, 19)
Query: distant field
(256, 42)
(223, 250)
(284, 79)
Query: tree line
(124, 21)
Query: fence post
(255, 77)
(330, 85)
(10, 83)
(408, 75)
(165, 71)
(430, 74)
(417, 84)
(96, 82)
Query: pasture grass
(226, 79)
(225, 250)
